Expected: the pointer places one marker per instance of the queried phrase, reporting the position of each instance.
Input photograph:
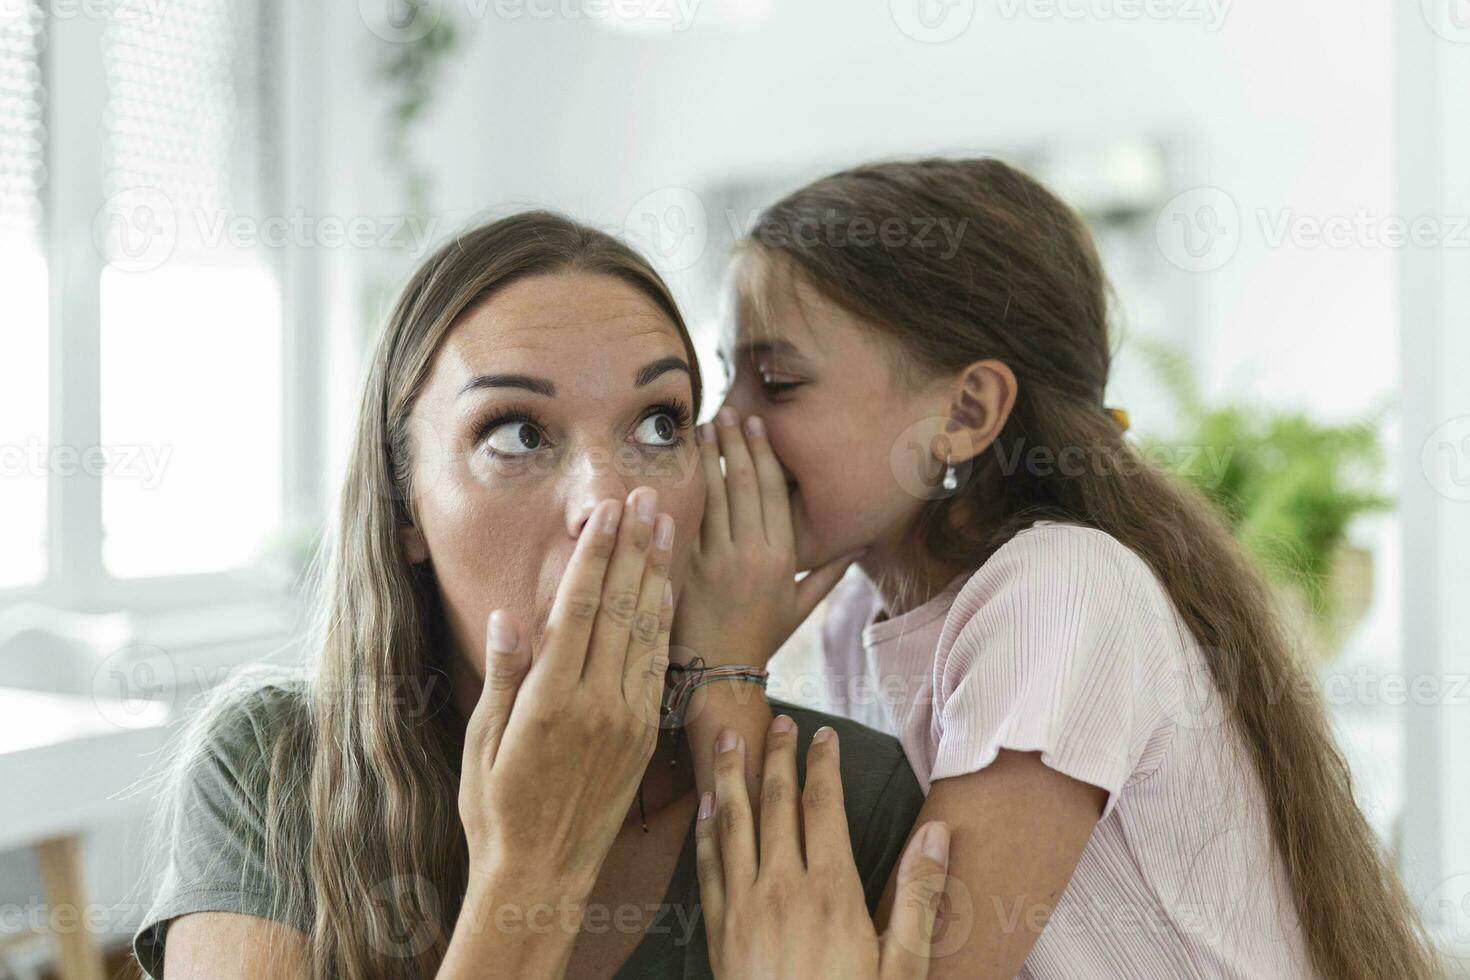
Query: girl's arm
(1017, 831)
(741, 600)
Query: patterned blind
(22, 119)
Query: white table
(64, 763)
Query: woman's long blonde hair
(364, 849)
(1022, 283)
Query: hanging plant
(412, 69)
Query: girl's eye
(660, 429)
(514, 439)
(772, 385)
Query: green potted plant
(1289, 487)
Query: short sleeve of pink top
(1065, 644)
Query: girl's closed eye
(775, 384)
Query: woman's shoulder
(237, 752)
(880, 792)
(878, 784)
(866, 754)
(247, 714)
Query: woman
(416, 808)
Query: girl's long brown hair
(1021, 282)
(364, 846)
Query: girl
(1083, 668)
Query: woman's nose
(589, 491)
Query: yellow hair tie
(1120, 416)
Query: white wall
(1286, 108)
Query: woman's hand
(742, 600)
(794, 912)
(555, 748)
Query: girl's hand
(789, 913)
(570, 734)
(741, 600)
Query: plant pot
(1319, 634)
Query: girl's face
(557, 392)
(842, 426)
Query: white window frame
(76, 580)
(1432, 102)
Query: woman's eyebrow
(541, 386)
(538, 385)
(649, 372)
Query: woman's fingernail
(754, 427)
(783, 723)
(726, 741)
(823, 733)
(727, 416)
(706, 805)
(663, 532)
(706, 433)
(668, 599)
(936, 842)
(502, 634)
(610, 519)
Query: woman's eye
(514, 439)
(659, 430)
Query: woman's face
(557, 392)
(841, 426)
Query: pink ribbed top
(1064, 643)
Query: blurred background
(207, 205)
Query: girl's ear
(413, 543)
(981, 398)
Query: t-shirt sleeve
(1064, 644)
(214, 858)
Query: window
(166, 336)
(190, 319)
(23, 370)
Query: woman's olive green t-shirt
(216, 853)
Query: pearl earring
(951, 478)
